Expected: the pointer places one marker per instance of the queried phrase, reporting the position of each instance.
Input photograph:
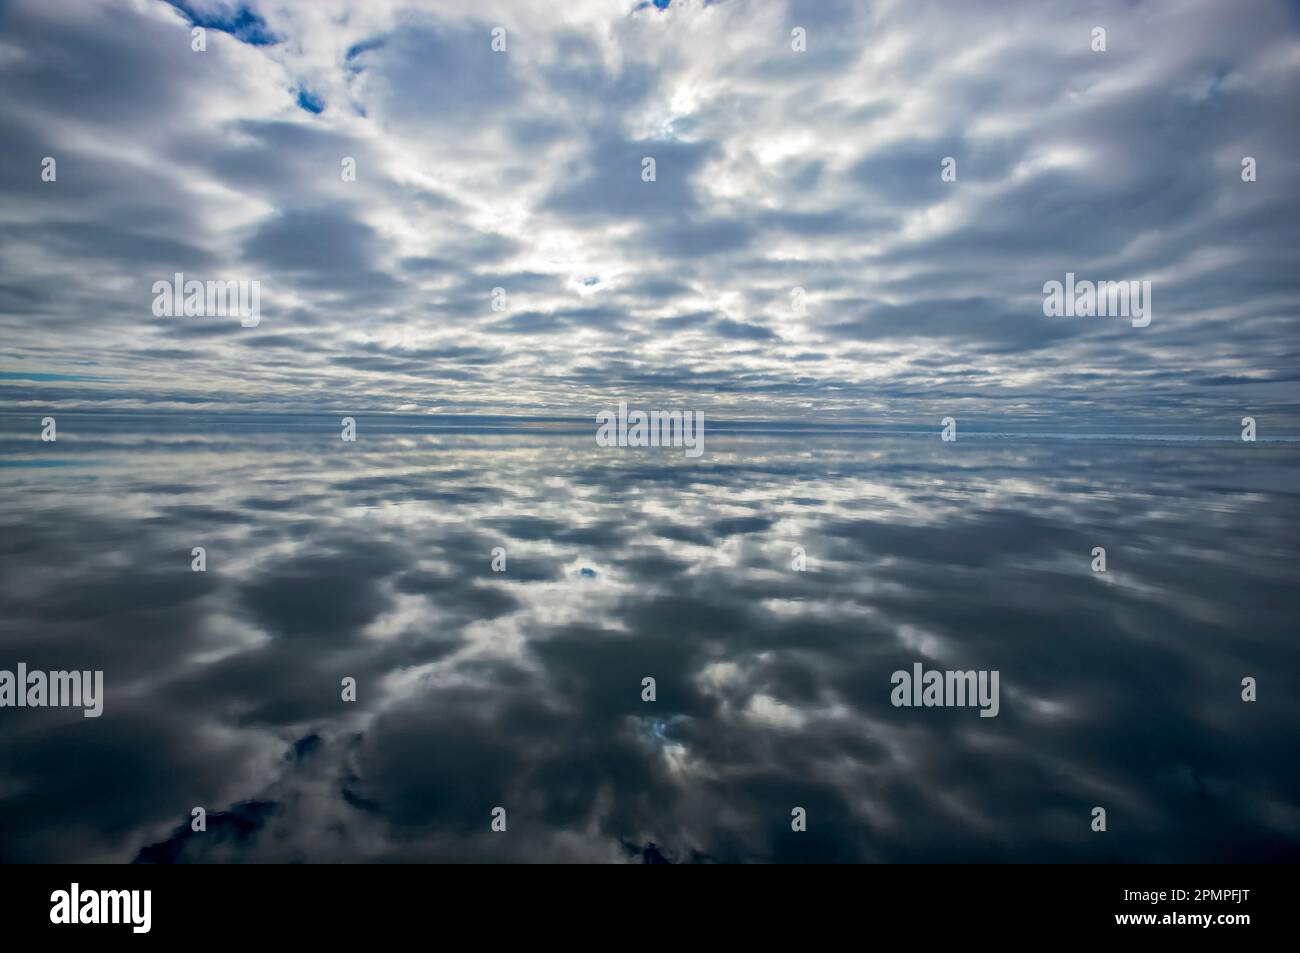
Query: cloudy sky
(776, 169)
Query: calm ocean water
(523, 689)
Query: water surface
(523, 689)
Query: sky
(776, 169)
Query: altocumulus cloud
(775, 170)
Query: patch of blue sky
(310, 101)
(39, 376)
(237, 20)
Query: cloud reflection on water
(522, 689)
